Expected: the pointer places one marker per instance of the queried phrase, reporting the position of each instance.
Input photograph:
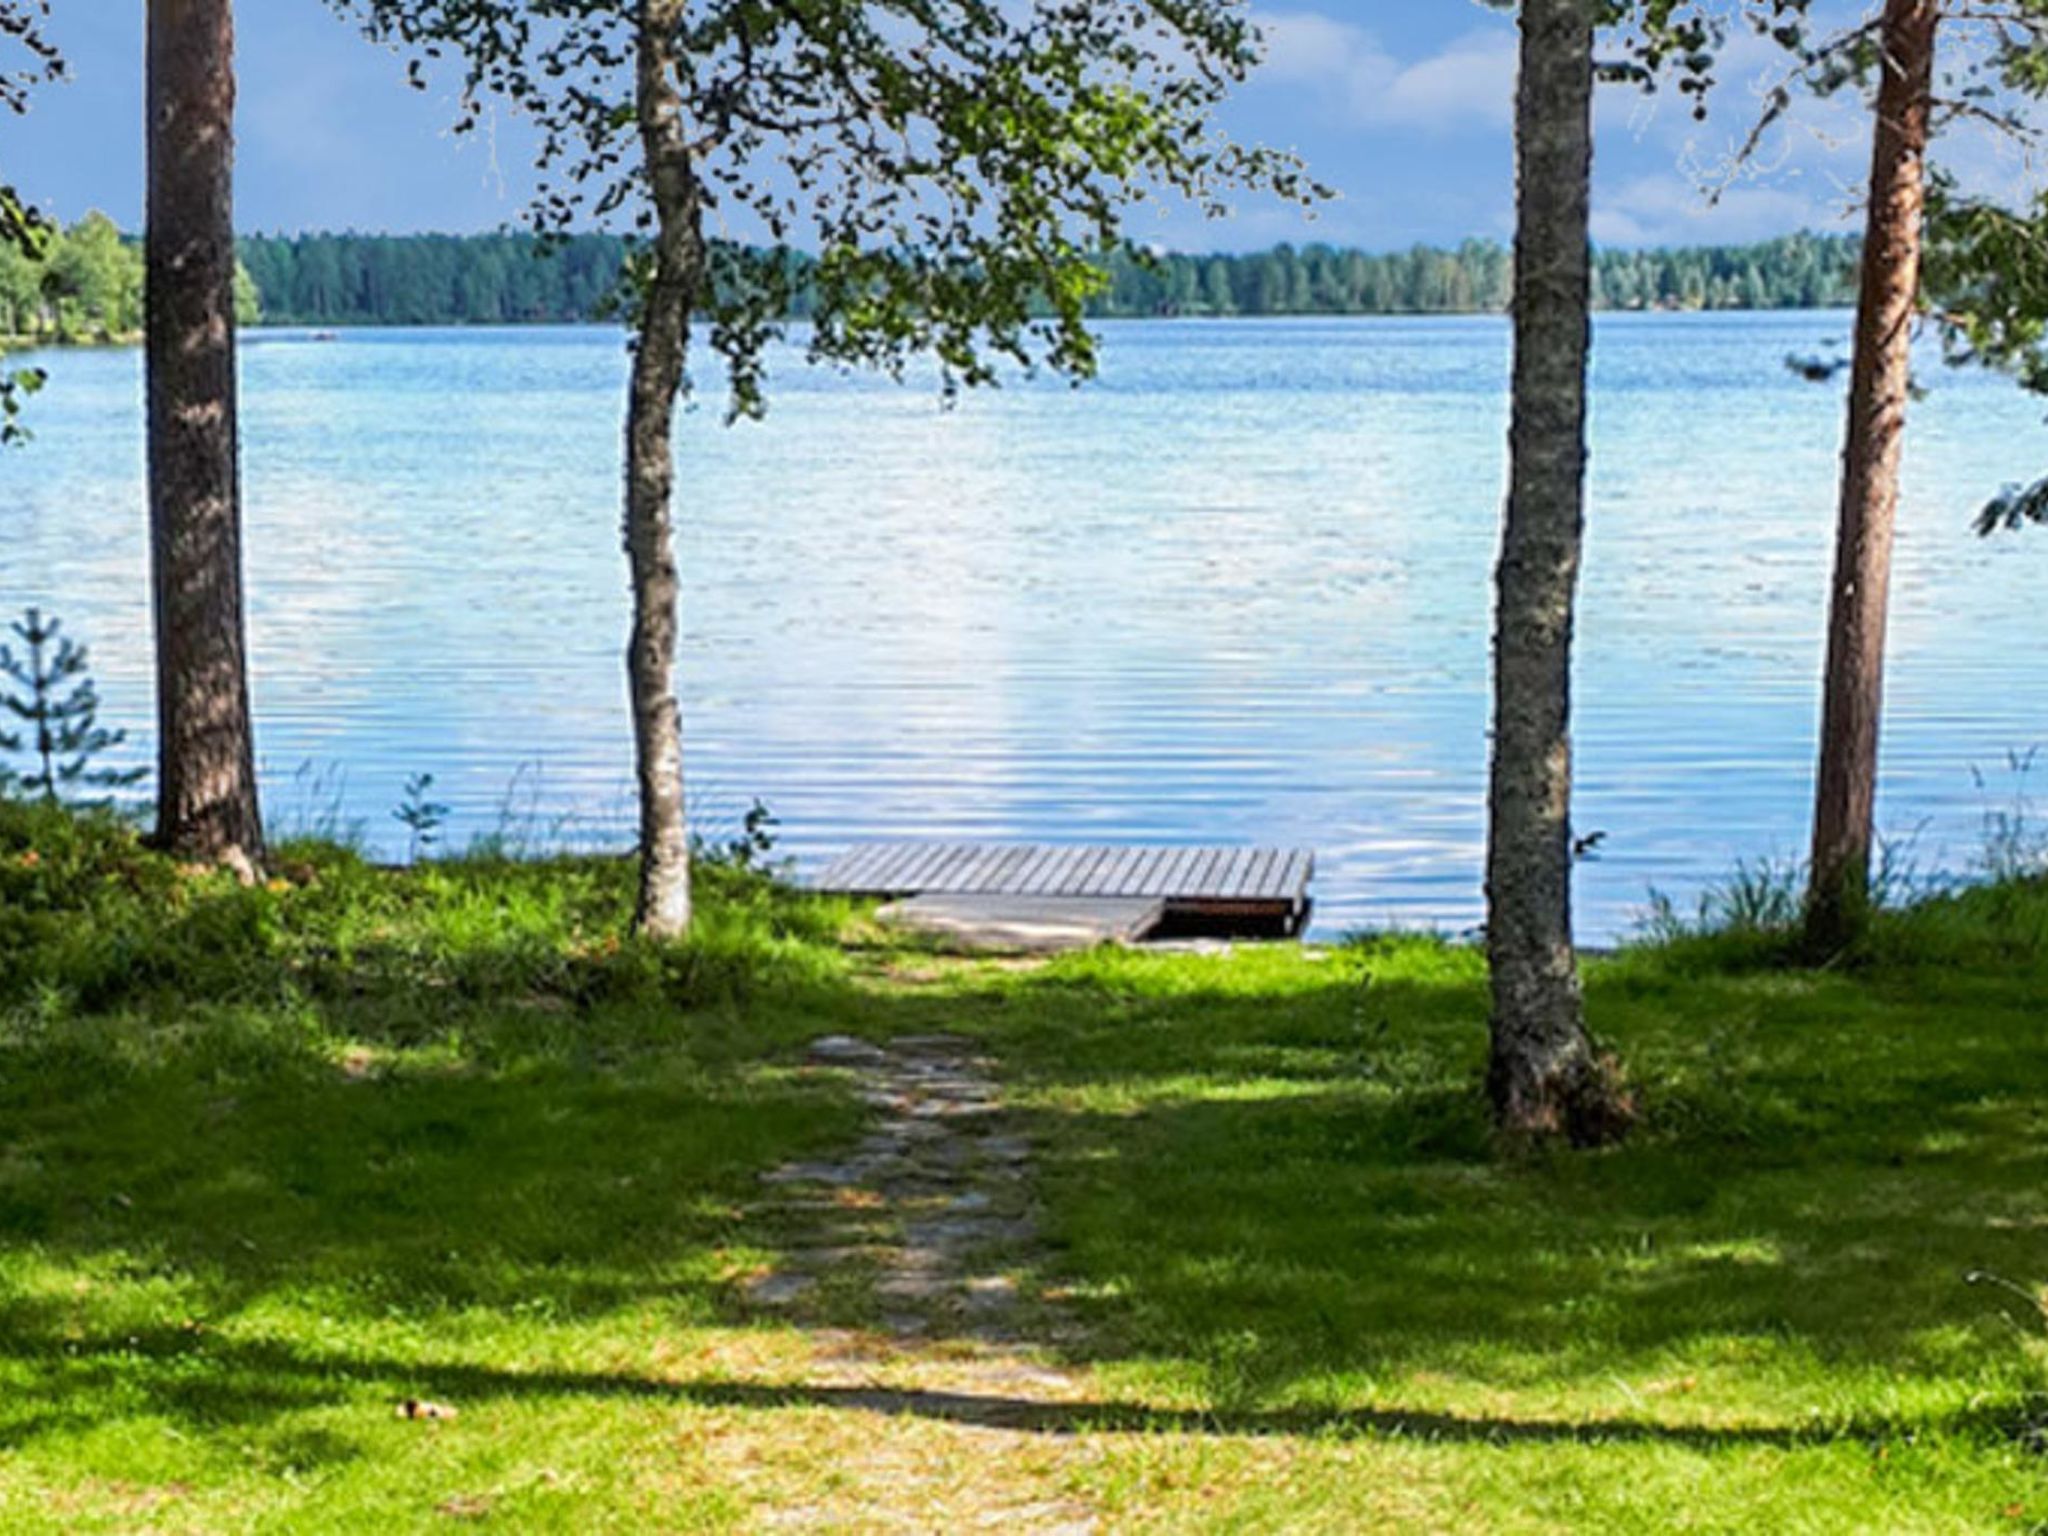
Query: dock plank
(1230, 875)
(1048, 873)
(879, 872)
(928, 868)
(1266, 886)
(1145, 878)
(1122, 877)
(839, 872)
(977, 868)
(1002, 880)
(1086, 867)
(1173, 876)
(1290, 863)
(1102, 878)
(858, 869)
(1033, 867)
(1004, 872)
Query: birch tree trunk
(206, 761)
(1845, 791)
(1545, 1077)
(659, 350)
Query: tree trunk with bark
(1546, 1079)
(1845, 793)
(674, 276)
(207, 807)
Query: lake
(1238, 589)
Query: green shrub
(89, 914)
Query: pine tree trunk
(658, 361)
(1546, 1079)
(207, 808)
(1845, 794)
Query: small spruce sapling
(421, 815)
(757, 838)
(54, 700)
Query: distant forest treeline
(88, 285)
(85, 286)
(494, 279)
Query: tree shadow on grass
(549, 1167)
(215, 1384)
(1258, 1194)
(1260, 1188)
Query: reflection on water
(1236, 590)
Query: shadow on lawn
(1259, 1193)
(1260, 1188)
(215, 1384)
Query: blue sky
(1402, 105)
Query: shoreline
(10, 345)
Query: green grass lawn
(273, 1161)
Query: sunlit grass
(273, 1161)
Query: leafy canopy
(1649, 41)
(958, 168)
(1984, 278)
(1985, 273)
(27, 58)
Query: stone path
(902, 1260)
(930, 1213)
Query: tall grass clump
(94, 922)
(1748, 920)
(2015, 840)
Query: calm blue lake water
(1238, 589)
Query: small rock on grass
(419, 1408)
(846, 1051)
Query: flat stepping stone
(846, 1051)
(951, 1232)
(779, 1290)
(842, 1258)
(917, 1286)
(925, 1204)
(1024, 925)
(834, 1174)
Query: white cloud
(1670, 210)
(1664, 178)
(1444, 114)
(1466, 85)
(1470, 83)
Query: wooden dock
(1209, 889)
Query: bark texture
(206, 760)
(1546, 1079)
(658, 363)
(1845, 791)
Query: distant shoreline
(10, 345)
(344, 281)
